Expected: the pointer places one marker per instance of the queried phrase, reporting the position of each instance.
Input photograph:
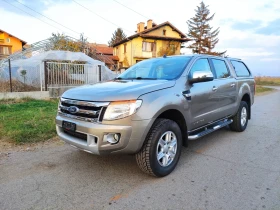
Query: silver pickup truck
(157, 106)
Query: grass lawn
(261, 89)
(27, 120)
(267, 80)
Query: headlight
(121, 109)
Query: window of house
(5, 50)
(117, 51)
(148, 46)
(163, 32)
(124, 48)
(220, 68)
(240, 69)
(8, 40)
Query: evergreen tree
(118, 36)
(202, 34)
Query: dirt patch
(17, 86)
(6, 146)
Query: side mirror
(201, 76)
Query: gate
(70, 75)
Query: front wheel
(162, 148)
(240, 120)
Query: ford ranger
(156, 106)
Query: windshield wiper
(143, 78)
(118, 78)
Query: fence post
(46, 75)
(99, 72)
(10, 74)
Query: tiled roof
(23, 42)
(114, 57)
(102, 49)
(104, 53)
(183, 36)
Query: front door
(204, 100)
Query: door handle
(232, 85)
(214, 88)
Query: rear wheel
(162, 148)
(240, 120)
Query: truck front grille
(82, 110)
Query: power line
(131, 9)
(100, 16)
(47, 17)
(42, 20)
(30, 14)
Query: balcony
(144, 54)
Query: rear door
(226, 88)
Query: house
(104, 53)
(149, 41)
(9, 44)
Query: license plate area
(68, 126)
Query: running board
(215, 127)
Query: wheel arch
(178, 117)
(247, 99)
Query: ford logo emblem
(73, 109)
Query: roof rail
(233, 58)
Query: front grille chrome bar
(78, 117)
(80, 111)
(84, 103)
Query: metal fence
(69, 74)
(48, 75)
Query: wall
(169, 32)
(18, 95)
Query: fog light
(113, 138)
(117, 136)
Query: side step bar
(210, 130)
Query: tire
(160, 142)
(240, 120)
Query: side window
(220, 68)
(240, 69)
(200, 65)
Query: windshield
(159, 68)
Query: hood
(116, 90)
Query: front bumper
(94, 140)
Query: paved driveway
(224, 170)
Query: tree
(118, 36)
(62, 42)
(23, 74)
(201, 33)
(169, 49)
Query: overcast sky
(249, 29)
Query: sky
(249, 29)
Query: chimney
(140, 27)
(149, 24)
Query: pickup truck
(156, 106)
